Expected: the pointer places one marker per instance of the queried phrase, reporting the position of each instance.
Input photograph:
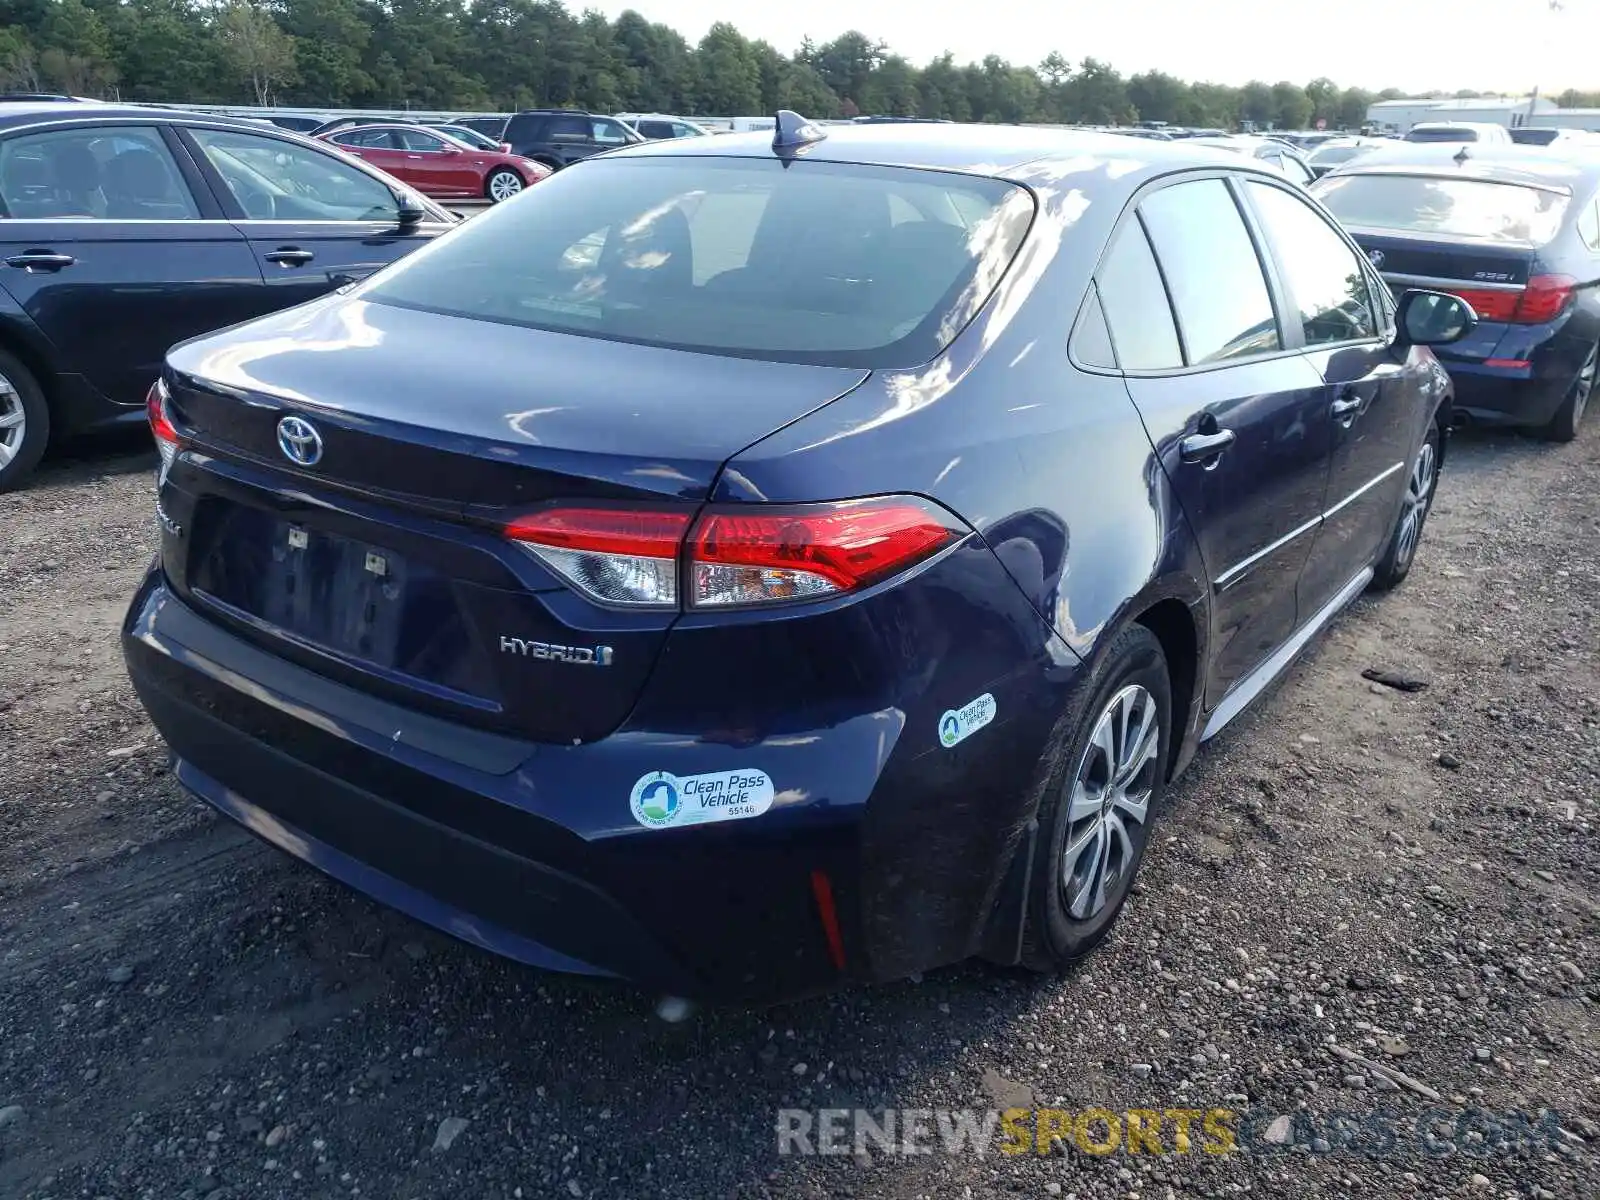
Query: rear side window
(1324, 276)
(124, 173)
(1212, 272)
(1475, 208)
(567, 129)
(1091, 340)
(1134, 301)
(741, 256)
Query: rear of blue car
(442, 606)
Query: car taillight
(757, 555)
(736, 555)
(1543, 299)
(166, 435)
(612, 555)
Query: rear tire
(1104, 779)
(1563, 427)
(502, 184)
(24, 422)
(1421, 484)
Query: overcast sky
(1498, 45)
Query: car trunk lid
(384, 561)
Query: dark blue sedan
(745, 564)
(1514, 231)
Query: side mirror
(409, 213)
(1433, 318)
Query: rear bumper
(530, 850)
(1515, 374)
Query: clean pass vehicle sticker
(959, 724)
(662, 801)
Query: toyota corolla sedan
(748, 564)
(1514, 231)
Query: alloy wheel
(13, 421)
(504, 185)
(1419, 492)
(1109, 800)
(1583, 387)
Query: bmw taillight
(166, 434)
(1543, 299)
(736, 555)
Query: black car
(559, 137)
(1513, 230)
(748, 564)
(125, 229)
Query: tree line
(501, 55)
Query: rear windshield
(1442, 134)
(1470, 208)
(1335, 154)
(829, 263)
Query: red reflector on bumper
(1507, 362)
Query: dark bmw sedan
(125, 229)
(1514, 231)
(745, 564)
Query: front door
(115, 253)
(313, 221)
(1237, 421)
(437, 167)
(1371, 402)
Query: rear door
(116, 249)
(1372, 403)
(313, 220)
(377, 146)
(1235, 413)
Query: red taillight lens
(1489, 304)
(763, 555)
(1545, 298)
(613, 555)
(754, 554)
(155, 408)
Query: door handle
(40, 260)
(1199, 447)
(1346, 408)
(289, 256)
(414, 157)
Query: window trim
(1286, 293)
(1091, 297)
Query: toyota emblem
(300, 442)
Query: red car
(438, 165)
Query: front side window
(1324, 275)
(282, 181)
(740, 256)
(372, 139)
(1212, 272)
(1508, 213)
(610, 133)
(419, 142)
(121, 173)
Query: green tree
(1157, 96)
(730, 79)
(1098, 95)
(1291, 107)
(259, 53)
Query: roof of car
(973, 149)
(14, 113)
(1499, 163)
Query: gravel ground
(1408, 877)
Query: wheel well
(37, 367)
(1173, 627)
